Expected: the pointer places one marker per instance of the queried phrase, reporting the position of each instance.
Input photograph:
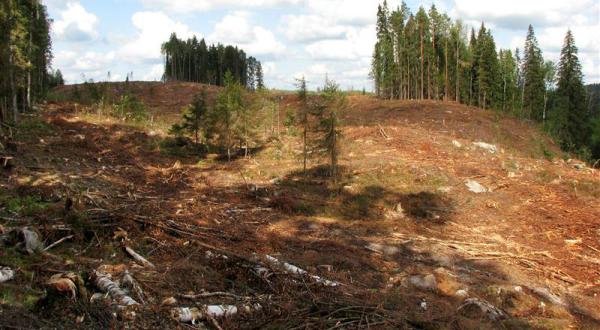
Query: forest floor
(409, 243)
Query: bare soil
(401, 212)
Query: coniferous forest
(428, 55)
(25, 55)
(194, 61)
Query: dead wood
(138, 258)
(6, 274)
(58, 242)
(104, 282)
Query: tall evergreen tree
(570, 120)
(533, 78)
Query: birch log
(105, 284)
(138, 258)
(299, 271)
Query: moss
(26, 206)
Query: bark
(105, 284)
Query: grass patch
(26, 206)
(32, 126)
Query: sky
(107, 39)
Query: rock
(423, 282)
(456, 144)
(486, 146)
(579, 166)
(476, 187)
(275, 181)
(348, 189)
(445, 190)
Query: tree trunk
(422, 64)
(457, 72)
(446, 81)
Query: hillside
(410, 243)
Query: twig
(58, 242)
(208, 295)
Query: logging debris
(6, 274)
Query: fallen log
(299, 271)
(138, 258)
(207, 312)
(130, 283)
(104, 282)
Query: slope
(402, 232)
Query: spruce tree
(570, 121)
(193, 117)
(533, 78)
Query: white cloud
(358, 44)
(518, 14)
(306, 28)
(75, 24)
(237, 30)
(154, 28)
(184, 6)
(155, 73)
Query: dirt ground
(410, 244)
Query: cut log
(6, 274)
(138, 258)
(104, 282)
(299, 271)
(193, 315)
(63, 284)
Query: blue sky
(291, 37)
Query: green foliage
(193, 118)
(25, 206)
(227, 118)
(25, 53)
(129, 108)
(533, 78)
(332, 103)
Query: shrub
(129, 108)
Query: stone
(456, 144)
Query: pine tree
(533, 78)
(570, 119)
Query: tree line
(428, 55)
(25, 55)
(194, 61)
